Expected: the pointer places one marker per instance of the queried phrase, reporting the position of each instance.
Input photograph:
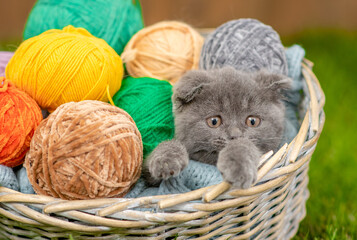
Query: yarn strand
(109, 97)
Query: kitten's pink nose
(234, 133)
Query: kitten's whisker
(203, 158)
(206, 155)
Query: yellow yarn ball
(60, 66)
(165, 50)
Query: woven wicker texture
(271, 209)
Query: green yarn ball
(115, 21)
(148, 102)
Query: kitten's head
(212, 107)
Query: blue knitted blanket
(196, 175)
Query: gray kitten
(223, 117)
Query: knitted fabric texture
(8, 178)
(19, 117)
(4, 59)
(195, 176)
(148, 101)
(16, 181)
(294, 55)
(114, 21)
(85, 150)
(165, 50)
(66, 65)
(245, 44)
(24, 183)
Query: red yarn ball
(19, 117)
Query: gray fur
(238, 162)
(234, 147)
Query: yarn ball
(114, 21)
(148, 101)
(4, 59)
(85, 150)
(245, 44)
(66, 65)
(19, 117)
(165, 50)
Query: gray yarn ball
(245, 44)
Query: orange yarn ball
(19, 117)
(85, 150)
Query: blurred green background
(332, 206)
(327, 31)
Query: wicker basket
(272, 209)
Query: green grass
(332, 206)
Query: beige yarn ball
(165, 50)
(85, 150)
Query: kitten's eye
(214, 122)
(252, 121)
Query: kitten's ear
(189, 86)
(276, 83)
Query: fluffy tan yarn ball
(165, 50)
(85, 150)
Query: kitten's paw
(237, 163)
(167, 160)
(241, 175)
